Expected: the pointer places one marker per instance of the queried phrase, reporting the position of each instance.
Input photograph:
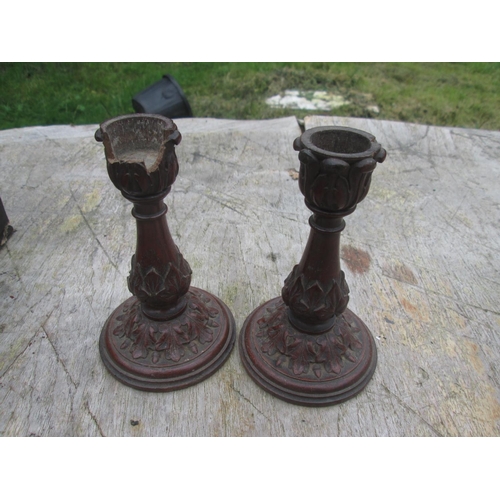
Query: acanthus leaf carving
(160, 283)
(330, 192)
(144, 339)
(332, 184)
(302, 353)
(315, 299)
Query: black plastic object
(165, 98)
(5, 229)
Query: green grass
(450, 94)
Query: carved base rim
(277, 374)
(200, 361)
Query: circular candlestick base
(311, 370)
(161, 356)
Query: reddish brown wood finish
(306, 347)
(168, 335)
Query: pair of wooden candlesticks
(304, 347)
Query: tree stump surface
(420, 255)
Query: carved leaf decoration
(360, 175)
(131, 178)
(189, 333)
(286, 292)
(340, 193)
(119, 330)
(300, 352)
(333, 365)
(330, 192)
(350, 356)
(349, 340)
(335, 298)
(198, 314)
(276, 341)
(166, 340)
(366, 187)
(163, 342)
(140, 345)
(342, 298)
(319, 189)
(170, 342)
(315, 299)
(212, 312)
(143, 181)
(281, 360)
(126, 344)
(171, 167)
(175, 352)
(160, 282)
(153, 284)
(272, 328)
(126, 321)
(307, 162)
(173, 282)
(205, 335)
(330, 353)
(326, 352)
(273, 319)
(169, 339)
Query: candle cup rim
(307, 142)
(138, 116)
(114, 140)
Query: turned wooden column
(306, 347)
(168, 335)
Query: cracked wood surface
(419, 253)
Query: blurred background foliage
(449, 94)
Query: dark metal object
(165, 98)
(306, 347)
(168, 335)
(6, 230)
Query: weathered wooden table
(420, 255)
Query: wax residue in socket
(147, 156)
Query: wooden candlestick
(169, 335)
(306, 347)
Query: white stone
(373, 109)
(295, 99)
